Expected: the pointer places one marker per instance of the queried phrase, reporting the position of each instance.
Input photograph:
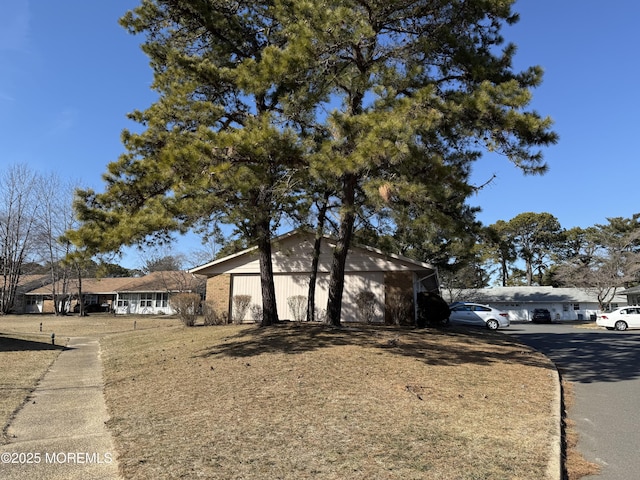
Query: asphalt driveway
(604, 367)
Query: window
(123, 303)
(479, 308)
(462, 308)
(162, 299)
(34, 299)
(576, 306)
(146, 299)
(90, 299)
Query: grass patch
(24, 359)
(306, 401)
(26, 352)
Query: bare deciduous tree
(606, 259)
(17, 216)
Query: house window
(162, 299)
(90, 299)
(146, 299)
(123, 303)
(576, 306)
(34, 299)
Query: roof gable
(293, 253)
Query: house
(26, 283)
(519, 302)
(152, 293)
(149, 294)
(632, 294)
(393, 279)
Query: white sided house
(388, 277)
(564, 303)
(150, 294)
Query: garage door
(290, 285)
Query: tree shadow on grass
(437, 347)
(10, 344)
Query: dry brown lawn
(305, 401)
(26, 352)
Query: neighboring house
(519, 302)
(27, 283)
(632, 294)
(152, 293)
(149, 294)
(388, 277)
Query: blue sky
(69, 74)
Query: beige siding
(297, 284)
(286, 286)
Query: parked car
(620, 318)
(541, 315)
(477, 314)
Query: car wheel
(621, 326)
(492, 324)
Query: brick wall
(398, 285)
(218, 291)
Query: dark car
(541, 315)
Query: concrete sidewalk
(60, 433)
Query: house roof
(291, 252)
(29, 282)
(631, 290)
(167, 281)
(533, 294)
(170, 281)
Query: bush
(240, 306)
(298, 307)
(256, 313)
(432, 310)
(400, 309)
(366, 302)
(211, 314)
(186, 306)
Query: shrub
(211, 314)
(432, 310)
(400, 309)
(256, 313)
(240, 306)
(366, 302)
(298, 307)
(186, 306)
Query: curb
(554, 468)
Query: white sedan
(476, 314)
(620, 318)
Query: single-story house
(122, 295)
(151, 294)
(519, 302)
(26, 283)
(632, 294)
(393, 279)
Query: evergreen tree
(388, 99)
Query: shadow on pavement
(590, 356)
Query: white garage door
(290, 285)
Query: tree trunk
(336, 281)
(311, 297)
(269, 306)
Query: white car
(620, 318)
(477, 314)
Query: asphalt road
(604, 367)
